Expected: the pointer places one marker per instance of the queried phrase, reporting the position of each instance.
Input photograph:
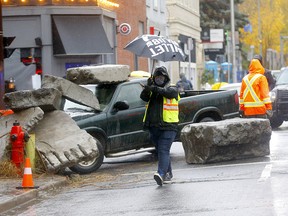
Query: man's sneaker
(170, 174)
(158, 179)
(167, 178)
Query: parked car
(279, 97)
(118, 126)
(275, 73)
(232, 86)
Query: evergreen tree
(215, 14)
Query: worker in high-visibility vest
(254, 94)
(161, 119)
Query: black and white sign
(125, 29)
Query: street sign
(125, 29)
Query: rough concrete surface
(71, 91)
(98, 74)
(27, 118)
(226, 140)
(58, 138)
(61, 142)
(46, 98)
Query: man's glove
(149, 81)
(151, 88)
(269, 113)
(241, 113)
(147, 88)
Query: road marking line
(266, 173)
(269, 164)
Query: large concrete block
(71, 91)
(98, 74)
(62, 143)
(226, 140)
(28, 119)
(46, 98)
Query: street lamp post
(234, 71)
(2, 82)
(259, 29)
(228, 57)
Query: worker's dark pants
(163, 140)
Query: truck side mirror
(121, 105)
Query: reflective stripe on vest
(267, 100)
(170, 110)
(249, 89)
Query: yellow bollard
(30, 150)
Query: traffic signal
(6, 42)
(227, 35)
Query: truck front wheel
(207, 119)
(86, 167)
(275, 122)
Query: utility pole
(2, 82)
(234, 71)
(228, 55)
(259, 29)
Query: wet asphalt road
(125, 186)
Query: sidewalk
(11, 197)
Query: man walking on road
(161, 119)
(184, 84)
(254, 94)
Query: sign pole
(234, 71)
(2, 81)
(190, 47)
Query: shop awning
(81, 35)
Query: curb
(29, 195)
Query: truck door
(125, 127)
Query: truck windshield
(103, 92)
(283, 77)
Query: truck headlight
(272, 95)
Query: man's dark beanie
(259, 57)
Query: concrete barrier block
(46, 98)
(71, 91)
(226, 140)
(98, 74)
(27, 118)
(61, 142)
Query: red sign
(125, 29)
(152, 30)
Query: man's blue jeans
(163, 140)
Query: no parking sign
(125, 29)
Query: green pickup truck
(118, 127)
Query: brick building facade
(133, 13)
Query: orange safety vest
(254, 93)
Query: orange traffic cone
(27, 182)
